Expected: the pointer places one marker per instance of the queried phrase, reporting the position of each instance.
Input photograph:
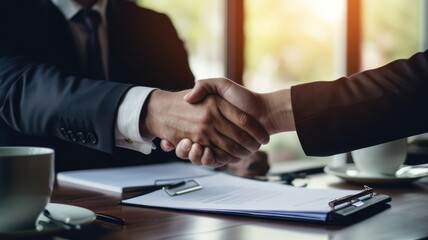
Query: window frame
(234, 55)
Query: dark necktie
(94, 65)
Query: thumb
(205, 87)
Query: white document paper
(229, 194)
(131, 178)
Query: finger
(221, 157)
(204, 155)
(217, 159)
(243, 129)
(197, 94)
(196, 153)
(183, 148)
(228, 145)
(207, 157)
(166, 145)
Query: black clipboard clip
(352, 199)
(182, 187)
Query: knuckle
(196, 152)
(210, 100)
(243, 119)
(206, 117)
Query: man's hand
(229, 133)
(250, 102)
(272, 110)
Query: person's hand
(249, 102)
(272, 110)
(235, 94)
(229, 133)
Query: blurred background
(272, 44)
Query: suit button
(81, 137)
(72, 136)
(63, 132)
(92, 139)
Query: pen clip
(182, 187)
(350, 199)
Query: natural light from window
(288, 42)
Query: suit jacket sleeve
(365, 109)
(44, 95)
(39, 100)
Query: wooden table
(407, 218)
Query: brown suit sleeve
(365, 109)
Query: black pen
(110, 218)
(175, 185)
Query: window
(291, 41)
(392, 29)
(295, 41)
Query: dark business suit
(45, 99)
(365, 109)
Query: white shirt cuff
(127, 129)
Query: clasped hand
(264, 114)
(223, 132)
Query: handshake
(217, 122)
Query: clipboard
(339, 217)
(351, 212)
(355, 208)
(343, 209)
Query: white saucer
(350, 173)
(77, 215)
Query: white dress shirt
(127, 131)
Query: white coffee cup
(381, 160)
(26, 183)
